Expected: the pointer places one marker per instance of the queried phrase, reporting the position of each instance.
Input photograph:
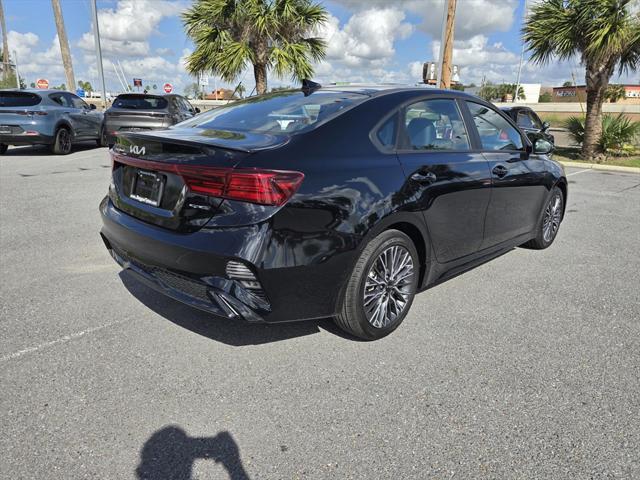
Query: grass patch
(573, 155)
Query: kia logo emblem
(136, 150)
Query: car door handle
(500, 171)
(424, 177)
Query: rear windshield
(19, 99)
(277, 113)
(140, 102)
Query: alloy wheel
(65, 140)
(552, 218)
(388, 286)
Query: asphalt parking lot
(527, 367)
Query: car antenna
(309, 86)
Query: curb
(599, 166)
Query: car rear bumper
(26, 139)
(192, 268)
(113, 127)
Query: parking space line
(581, 171)
(62, 339)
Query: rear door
(517, 176)
(450, 181)
(91, 120)
(76, 115)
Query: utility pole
(5, 44)
(96, 38)
(64, 45)
(446, 45)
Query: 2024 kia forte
(338, 202)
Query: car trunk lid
(173, 178)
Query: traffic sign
(168, 88)
(42, 83)
(80, 92)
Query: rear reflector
(264, 187)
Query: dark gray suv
(132, 112)
(47, 117)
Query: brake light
(264, 187)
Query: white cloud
(477, 51)
(473, 17)
(360, 49)
(33, 62)
(126, 29)
(367, 36)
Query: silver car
(47, 117)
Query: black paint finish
(457, 210)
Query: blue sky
(372, 40)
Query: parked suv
(133, 112)
(336, 202)
(47, 117)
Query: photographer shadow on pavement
(228, 331)
(169, 454)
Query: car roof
(379, 89)
(515, 107)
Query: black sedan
(529, 122)
(335, 202)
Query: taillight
(265, 187)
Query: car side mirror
(92, 106)
(542, 147)
(197, 110)
(545, 126)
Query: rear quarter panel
(350, 192)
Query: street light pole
(515, 95)
(96, 37)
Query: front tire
(381, 288)
(62, 142)
(549, 223)
(3, 148)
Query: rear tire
(549, 223)
(3, 148)
(381, 288)
(102, 141)
(62, 142)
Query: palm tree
(606, 36)
(64, 43)
(613, 93)
(229, 35)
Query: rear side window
(77, 102)
(387, 132)
(61, 99)
(280, 113)
(524, 120)
(495, 132)
(140, 102)
(19, 99)
(183, 104)
(435, 125)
